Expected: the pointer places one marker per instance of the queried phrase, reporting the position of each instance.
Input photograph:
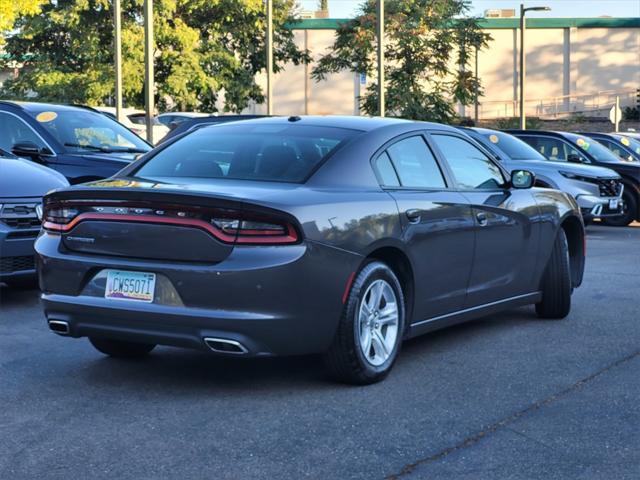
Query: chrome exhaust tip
(223, 345)
(59, 326)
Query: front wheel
(121, 349)
(370, 332)
(556, 282)
(629, 211)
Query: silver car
(597, 190)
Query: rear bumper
(282, 300)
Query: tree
(429, 48)
(203, 47)
(10, 10)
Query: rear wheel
(630, 210)
(121, 349)
(556, 282)
(370, 332)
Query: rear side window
(386, 172)
(271, 152)
(415, 164)
(472, 169)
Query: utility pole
(380, 19)
(148, 68)
(269, 45)
(117, 24)
(475, 93)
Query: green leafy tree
(429, 48)
(202, 47)
(10, 10)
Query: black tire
(121, 349)
(345, 360)
(24, 283)
(556, 282)
(629, 213)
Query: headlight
(580, 178)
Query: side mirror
(26, 149)
(573, 158)
(522, 179)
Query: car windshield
(513, 147)
(631, 143)
(264, 152)
(80, 130)
(593, 148)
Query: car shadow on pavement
(168, 369)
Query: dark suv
(78, 142)
(570, 147)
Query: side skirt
(443, 321)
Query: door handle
(413, 215)
(482, 219)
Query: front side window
(415, 165)
(472, 169)
(15, 130)
(248, 151)
(555, 149)
(80, 130)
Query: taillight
(56, 217)
(227, 226)
(258, 231)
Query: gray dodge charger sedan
(280, 236)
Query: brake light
(257, 231)
(56, 217)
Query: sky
(559, 8)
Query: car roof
(36, 107)
(364, 124)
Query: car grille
(609, 187)
(17, 264)
(20, 215)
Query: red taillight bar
(269, 238)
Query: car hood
(24, 178)
(551, 166)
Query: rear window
(513, 147)
(275, 152)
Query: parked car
(195, 123)
(573, 148)
(596, 189)
(624, 146)
(22, 186)
(135, 120)
(79, 142)
(173, 119)
(276, 236)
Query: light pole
(148, 68)
(269, 45)
(380, 19)
(523, 66)
(117, 25)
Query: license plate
(138, 286)
(613, 204)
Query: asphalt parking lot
(506, 397)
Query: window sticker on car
(625, 141)
(45, 117)
(583, 144)
(494, 138)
